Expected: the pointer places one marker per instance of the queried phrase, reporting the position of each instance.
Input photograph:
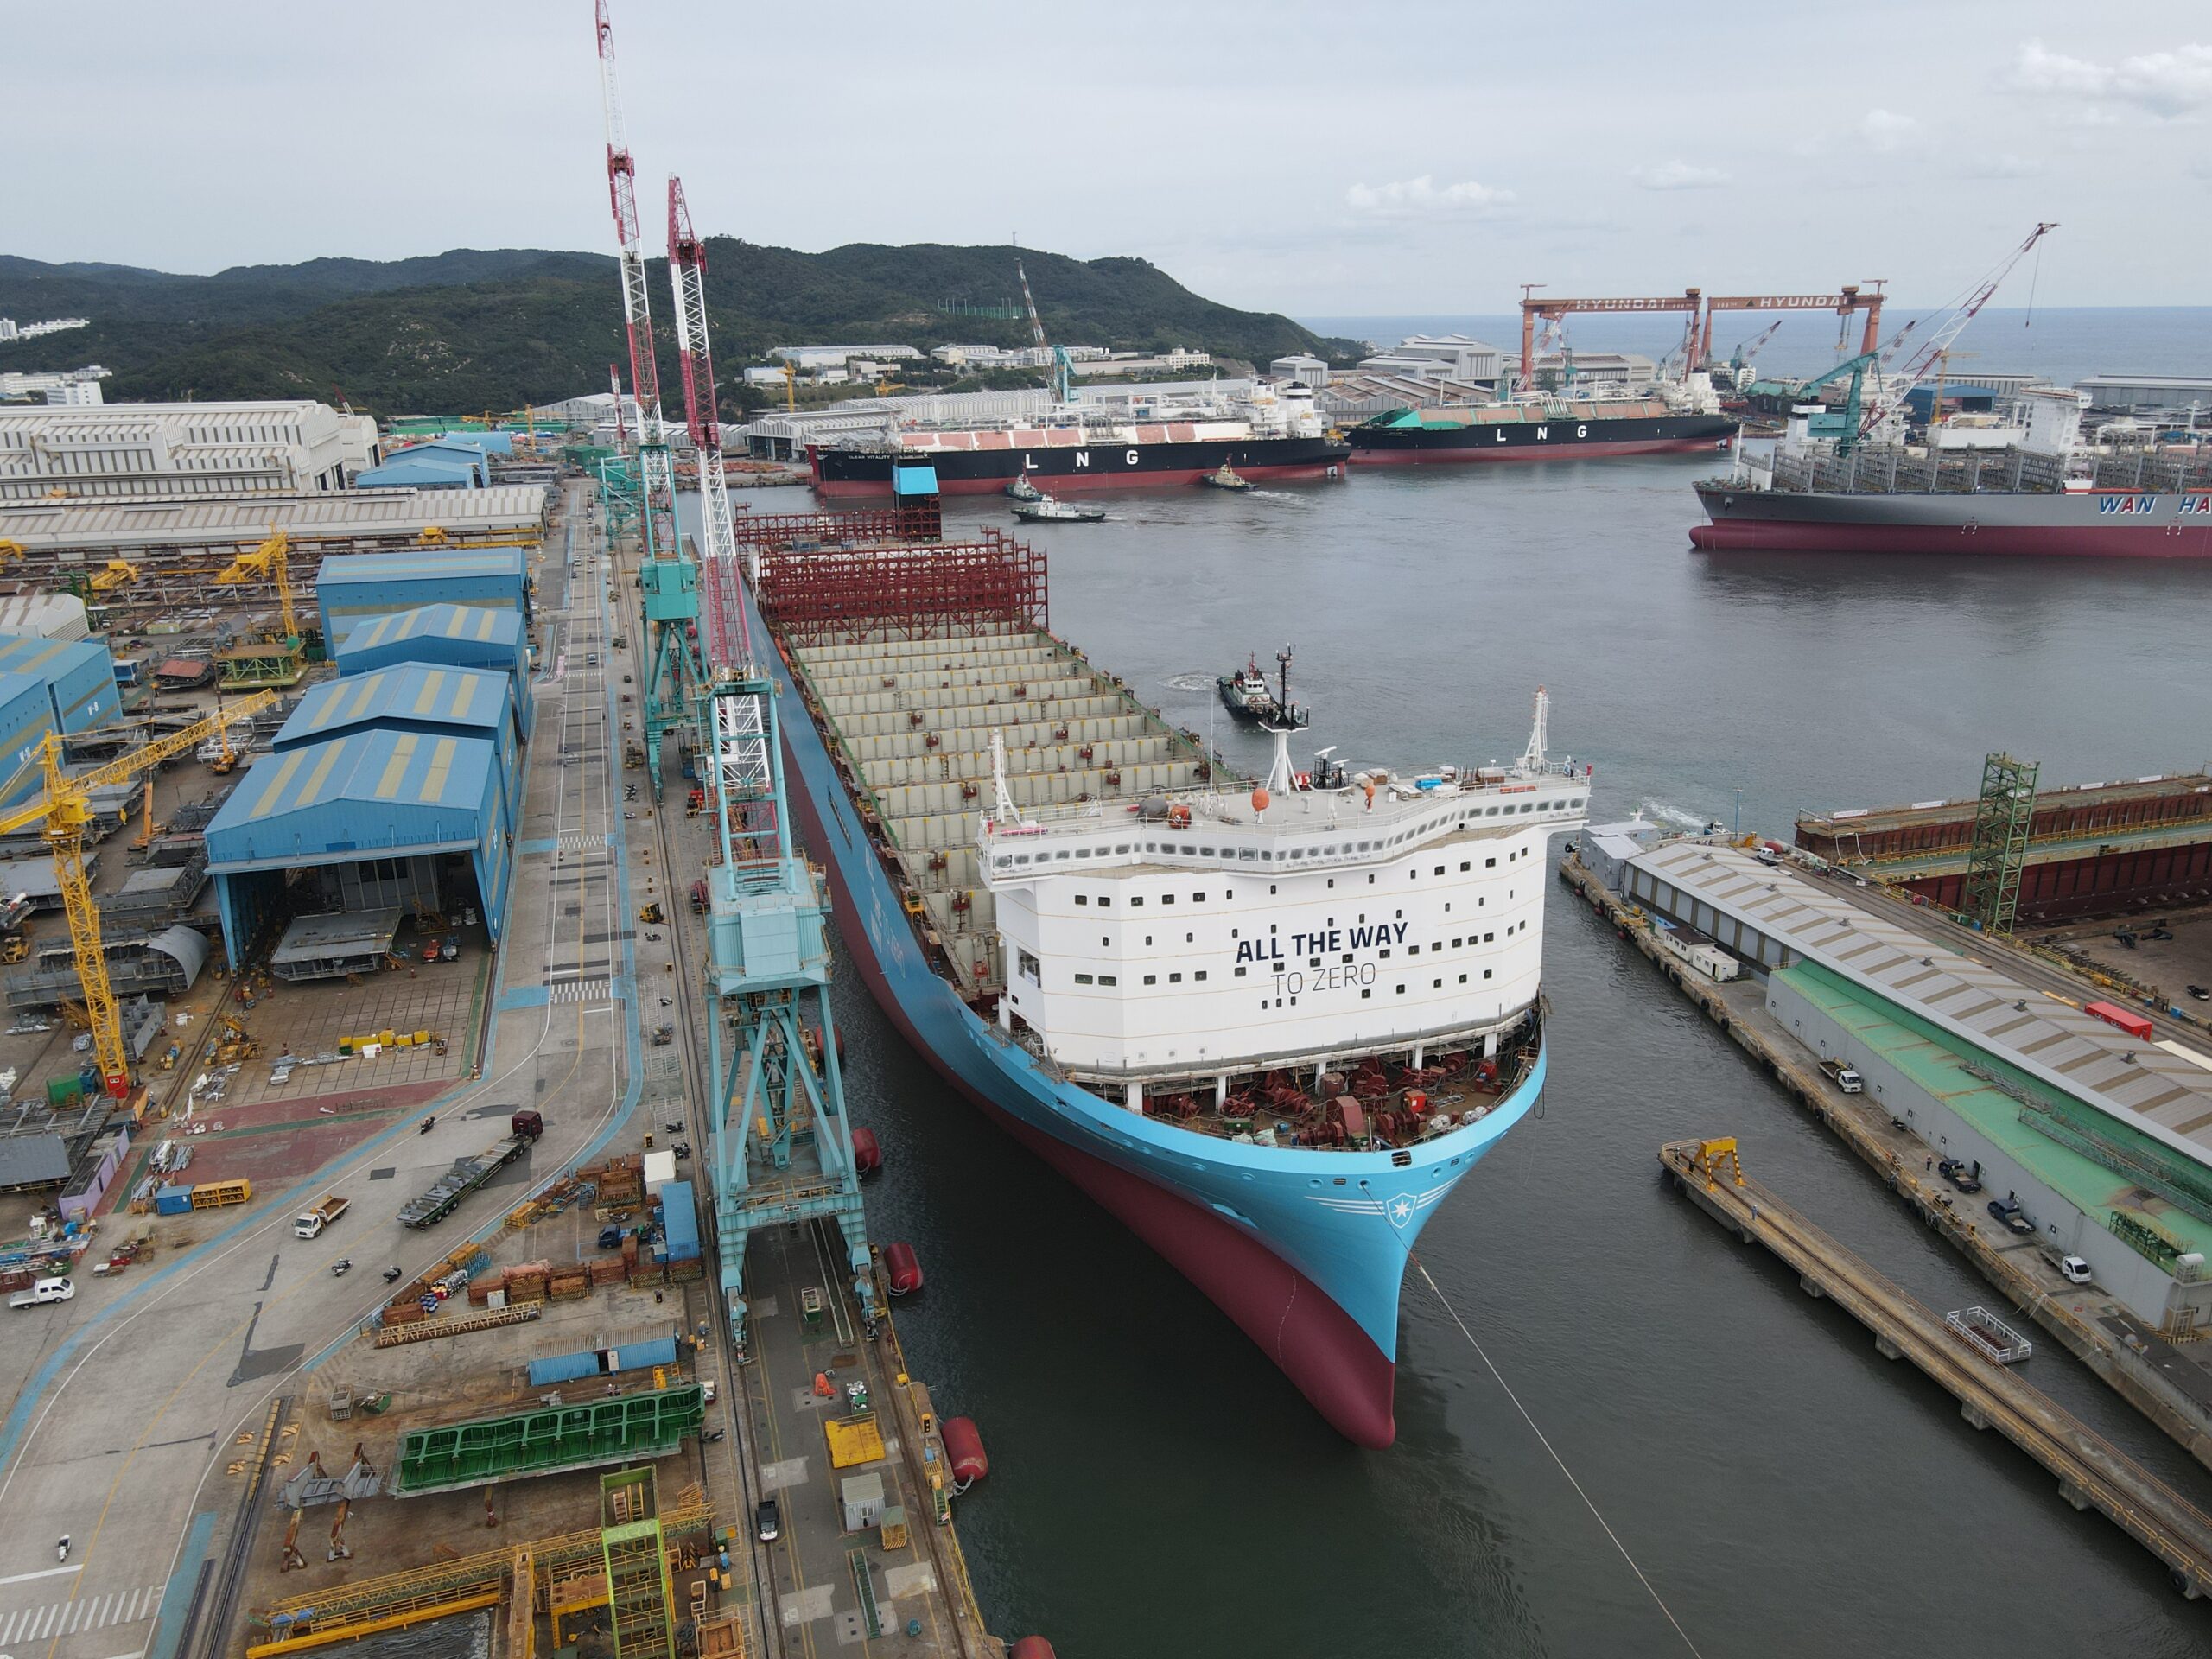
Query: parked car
(768, 1521)
(2076, 1270)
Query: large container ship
(1267, 436)
(2031, 486)
(1269, 1029)
(1544, 430)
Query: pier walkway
(2092, 1472)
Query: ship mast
(1285, 721)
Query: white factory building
(1442, 357)
(809, 358)
(121, 451)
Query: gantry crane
(281, 660)
(1063, 366)
(781, 1139)
(64, 812)
(674, 675)
(1844, 302)
(1533, 309)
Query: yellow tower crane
(64, 812)
(280, 661)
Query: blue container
(563, 1368)
(679, 1222)
(172, 1201)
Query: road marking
(48, 1573)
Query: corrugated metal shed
(366, 793)
(2075, 1054)
(48, 616)
(124, 524)
(444, 463)
(79, 676)
(460, 636)
(352, 586)
(32, 1160)
(25, 716)
(413, 698)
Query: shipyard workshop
(2078, 1121)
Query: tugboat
(1226, 478)
(1048, 509)
(1022, 489)
(1246, 695)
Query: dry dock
(2092, 1472)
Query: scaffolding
(821, 595)
(2002, 818)
(643, 1612)
(916, 520)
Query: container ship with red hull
(1537, 431)
(2029, 486)
(1164, 982)
(1269, 437)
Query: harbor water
(1157, 1486)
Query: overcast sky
(1318, 159)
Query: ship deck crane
(1533, 310)
(1894, 387)
(63, 811)
(1062, 365)
(1844, 302)
(781, 1139)
(674, 673)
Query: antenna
(1532, 758)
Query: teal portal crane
(781, 1142)
(1855, 370)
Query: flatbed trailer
(443, 1196)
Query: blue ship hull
(1305, 1249)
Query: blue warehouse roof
(368, 793)
(409, 694)
(499, 632)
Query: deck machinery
(781, 1140)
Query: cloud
(1411, 198)
(1885, 130)
(1679, 176)
(2002, 165)
(2166, 85)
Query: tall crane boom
(64, 811)
(622, 195)
(1063, 367)
(729, 644)
(1894, 387)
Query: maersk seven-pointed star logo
(1400, 1209)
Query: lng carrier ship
(1270, 1029)
(1537, 429)
(1269, 435)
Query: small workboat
(1048, 509)
(1022, 489)
(1226, 478)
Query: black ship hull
(1564, 437)
(1059, 467)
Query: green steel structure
(625, 1428)
(2001, 820)
(621, 504)
(637, 1566)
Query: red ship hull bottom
(2098, 540)
(1462, 455)
(1172, 478)
(1325, 1355)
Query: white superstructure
(1197, 936)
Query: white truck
(46, 1290)
(1844, 1078)
(309, 1223)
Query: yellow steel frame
(439, 536)
(267, 563)
(64, 812)
(327, 1635)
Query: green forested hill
(473, 329)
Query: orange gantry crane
(1852, 296)
(1532, 309)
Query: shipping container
(172, 1201)
(2134, 1025)
(679, 1222)
(602, 1362)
